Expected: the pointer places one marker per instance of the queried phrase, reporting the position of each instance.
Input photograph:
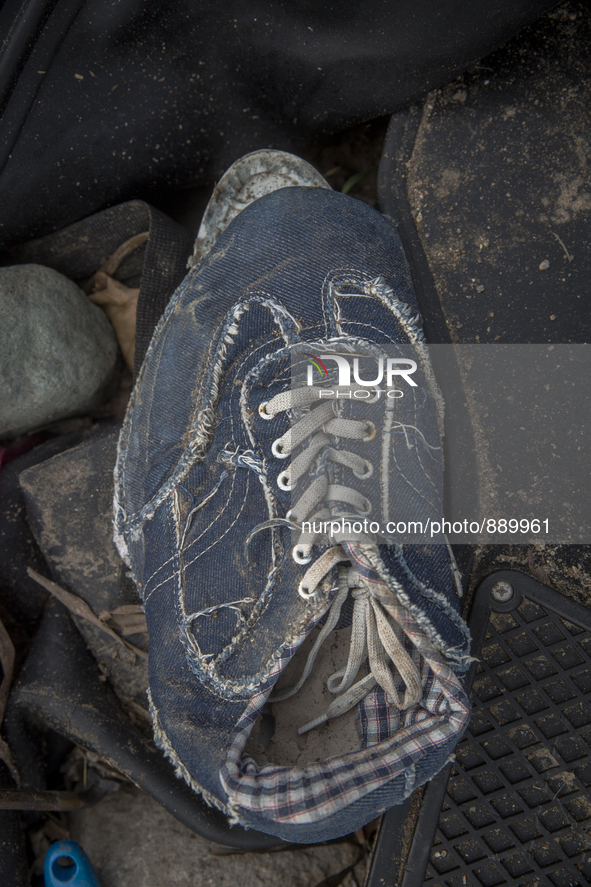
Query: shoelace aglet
(310, 726)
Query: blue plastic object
(67, 863)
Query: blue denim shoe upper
(200, 515)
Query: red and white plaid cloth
(393, 743)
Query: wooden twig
(14, 799)
(80, 608)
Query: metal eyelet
(376, 396)
(277, 451)
(372, 431)
(283, 481)
(263, 411)
(304, 593)
(367, 510)
(368, 471)
(299, 555)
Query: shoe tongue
(346, 617)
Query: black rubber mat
(516, 809)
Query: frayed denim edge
(163, 742)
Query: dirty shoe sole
(249, 178)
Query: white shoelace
(374, 635)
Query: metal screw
(502, 592)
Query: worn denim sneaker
(303, 678)
(251, 177)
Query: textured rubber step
(516, 808)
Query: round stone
(58, 351)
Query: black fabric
(60, 688)
(80, 249)
(13, 859)
(169, 247)
(103, 102)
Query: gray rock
(58, 351)
(133, 842)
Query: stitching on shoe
(203, 426)
(234, 688)
(426, 474)
(206, 666)
(402, 475)
(435, 596)
(199, 663)
(408, 317)
(173, 575)
(148, 594)
(264, 346)
(289, 327)
(369, 286)
(208, 670)
(230, 499)
(202, 664)
(211, 524)
(260, 348)
(119, 497)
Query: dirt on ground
(134, 842)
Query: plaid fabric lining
(394, 743)
(379, 719)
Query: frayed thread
(459, 659)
